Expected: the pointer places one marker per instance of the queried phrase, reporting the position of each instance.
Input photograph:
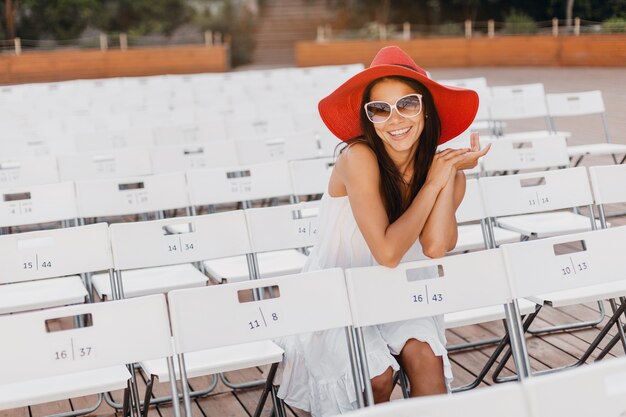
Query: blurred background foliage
(236, 20)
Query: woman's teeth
(399, 132)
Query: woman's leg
(423, 368)
(382, 385)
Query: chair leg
(575, 326)
(592, 346)
(494, 356)
(267, 389)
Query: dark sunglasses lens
(409, 106)
(378, 112)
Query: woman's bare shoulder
(356, 156)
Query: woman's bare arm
(357, 171)
(440, 232)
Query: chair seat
(582, 295)
(58, 388)
(470, 237)
(596, 149)
(212, 361)
(271, 264)
(138, 282)
(484, 314)
(547, 224)
(45, 293)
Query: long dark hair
(390, 177)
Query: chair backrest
(472, 207)
(426, 288)
(258, 127)
(495, 401)
(565, 262)
(608, 182)
(282, 227)
(311, 176)
(132, 195)
(575, 104)
(54, 253)
(535, 192)
(185, 157)
(38, 350)
(179, 240)
(515, 108)
(305, 302)
(518, 90)
(239, 183)
(525, 154)
(25, 171)
(471, 83)
(37, 204)
(117, 163)
(594, 389)
(287, 147)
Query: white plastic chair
(301, 145)
(424, 288)
(131, 195)
(505, 400)
(155, 256)
(570, 269)
(238, 183)
(475, 236)
(533, 153)
(40, 269)
(118, 163)
(595, 389)
(310, 176)
(25, 171)
(37, 204)
(582, 104)
(302, 303)
(40, 364)
(517, 102)
(276, 234)
(186, 157)
(525, 203)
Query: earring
(426, 116)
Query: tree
(142, 17)
(57, 19)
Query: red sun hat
(340, 111)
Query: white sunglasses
(407, 106)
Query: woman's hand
(444, 166)
(470, 159)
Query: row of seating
(524, 102)
(594, 389)
(156, 193)
(298, 303)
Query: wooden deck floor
(546, 351)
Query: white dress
(315, 374)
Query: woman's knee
(417, 353)
(382, 384)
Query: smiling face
(399, 134)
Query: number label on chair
(574, 260)
(35, 263)
(135, 193)
(72, 348)
(426, 294)
(264, 319)
(307, 228)
(535, 192)
(9, 175)
(19, 203)
(240, 181)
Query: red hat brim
(340, 110)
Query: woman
(391, 198)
